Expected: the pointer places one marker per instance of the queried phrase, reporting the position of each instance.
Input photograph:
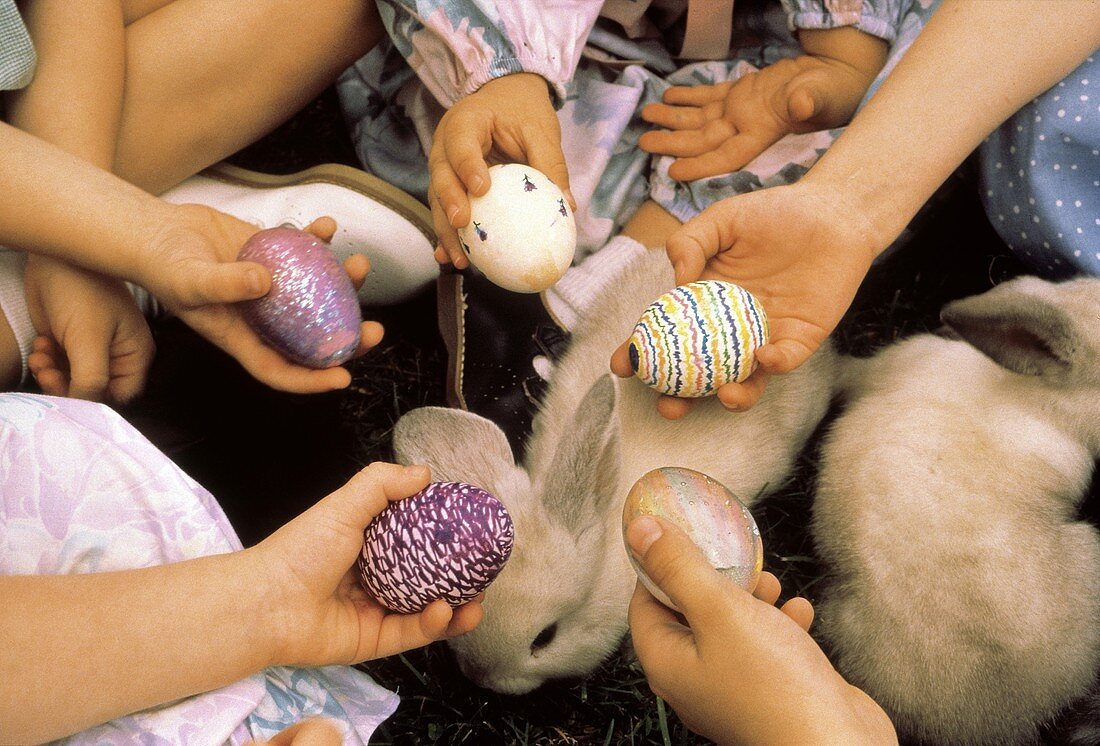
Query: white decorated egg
(698, 337)
(711, 515)
(447, 542)
(522, 234)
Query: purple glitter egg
(311, 313)
(448, 541)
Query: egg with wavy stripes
(698, 337)
(447, 542)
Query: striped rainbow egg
(447, 542)
(712, 517)
(698, 337)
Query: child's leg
(204, 78)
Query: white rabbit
(966, 593)
(559, 606)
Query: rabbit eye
(545, 637)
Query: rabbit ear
(1020, 325)
(584, 472)
(457, 445)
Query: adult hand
(735, 668)
(325, 615)
(93, 341)
(801, 249)
(507, 120)
(190, 266)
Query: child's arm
(185, 255)
(804, 249)
(740, 670)
(83, 649)
(75, 102)
(715, 129)
(499, 67)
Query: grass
(267, 456)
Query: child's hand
(325, 615)
(715, 129)
(735, 668)
(508, 120)
(94, 342)
(800, 249)
(190, 266)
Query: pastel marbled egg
(698, 337)
(311, 314)
(522, 234)
(708, 513)
(447, 542)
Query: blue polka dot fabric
(1041, 177)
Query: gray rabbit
(965, 593)
(559, 606)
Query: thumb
(677, 566)
(370, 491)
(803, 104)
(698, 240)
(224, 283)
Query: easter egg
(448, 541)
(311, 314)
(708, 513)
(698, 337)
(522, 234)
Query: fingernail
(641, 534)
(451, 212)
(418, 471)
(254, 281)
(475, 183)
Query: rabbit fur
(559, 606)
(965, 592)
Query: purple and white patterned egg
(522, 234)
(712, 516)
(447, 542)
(311, 314)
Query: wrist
(865, 214)
(519, 84)
(856, 50)
(264, 602)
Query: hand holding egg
(708, 513)
(522, 234)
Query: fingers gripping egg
(522, 233)
(311, 314)
(712, 516)
(447, 542)
(698, 337)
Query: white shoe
(392, 228)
